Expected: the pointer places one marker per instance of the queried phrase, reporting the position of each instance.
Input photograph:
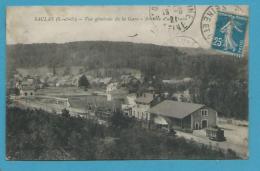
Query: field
(67, 91)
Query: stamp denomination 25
(229, 33)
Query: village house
(182, 96)
(129, 104)
(26, 87)
(105, 80)
(182, 115)
(100, 82)
(115, 92)
(126, 79)
(112, 86)
(51, 81)
(24, 83)
(65, 81)
(143, 103)
(27, 91)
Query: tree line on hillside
(150, 59)
(221, 81)
(38, 135)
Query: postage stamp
(209, 17)
(230, 33)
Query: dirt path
(240, 149)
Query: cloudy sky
(30, 25)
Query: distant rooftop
(27, 88)
(146, 98)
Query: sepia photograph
(163, 82)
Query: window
(204, 112)
(25, 94)
(31, 93)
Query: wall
(28, 92)
(175, 123)
(186, 122)
(140, 111)
(196, 117)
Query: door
(197, 126)
(204, 124)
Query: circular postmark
(209, 17)
(182, 41)
(174, 18)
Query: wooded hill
(220, 80)
(149, 58)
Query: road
(240, 149)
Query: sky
(93, 23)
